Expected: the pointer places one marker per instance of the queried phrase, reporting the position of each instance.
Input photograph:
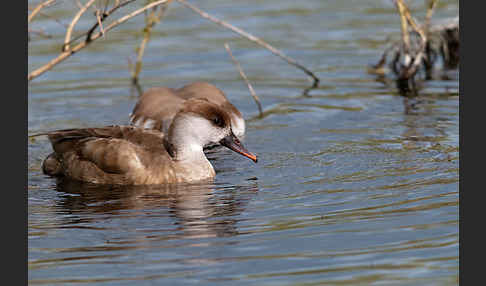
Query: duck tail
(52, 166)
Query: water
(354, 185)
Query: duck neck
(184, 145)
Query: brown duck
(157, 107)
(130, 155)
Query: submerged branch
(410, 69)
(419, 46)
(252, 38)
(250, 87)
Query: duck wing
(93, 154)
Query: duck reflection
(199, 210)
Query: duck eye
(218, 122)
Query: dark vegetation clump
(420, 49)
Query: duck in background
(158, 106)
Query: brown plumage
(157, 107)
(129, 155)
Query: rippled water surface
(355, 184)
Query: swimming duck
(157, 107)
(130, 155)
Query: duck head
(200, 123)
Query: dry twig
(428, 16)
(251, 38)
(404, 27)
(54, 19)
(40, 33)
(38, 8)
(65, 54)
(98, 18)
(103, 16)
(69, 31)
(150, 21)
(252, 92)
(410, 69)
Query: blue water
(355, 184)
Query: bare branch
(102, 18)
(378, 68)
(150, 20)
(410, 68)
(98, 18)
(251, 38)
(73, 23)
(40, 33)
(252, 92)
(415, 26)
(53, 18)
(79, 4)
(38, 8)
(430, 12)
(106, 5)
(405, 37)
(94, 37)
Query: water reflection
(421, 116)
(199, 210)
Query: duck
(131, 155)
(157, 107)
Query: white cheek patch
(202, 132)
(238, 126)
